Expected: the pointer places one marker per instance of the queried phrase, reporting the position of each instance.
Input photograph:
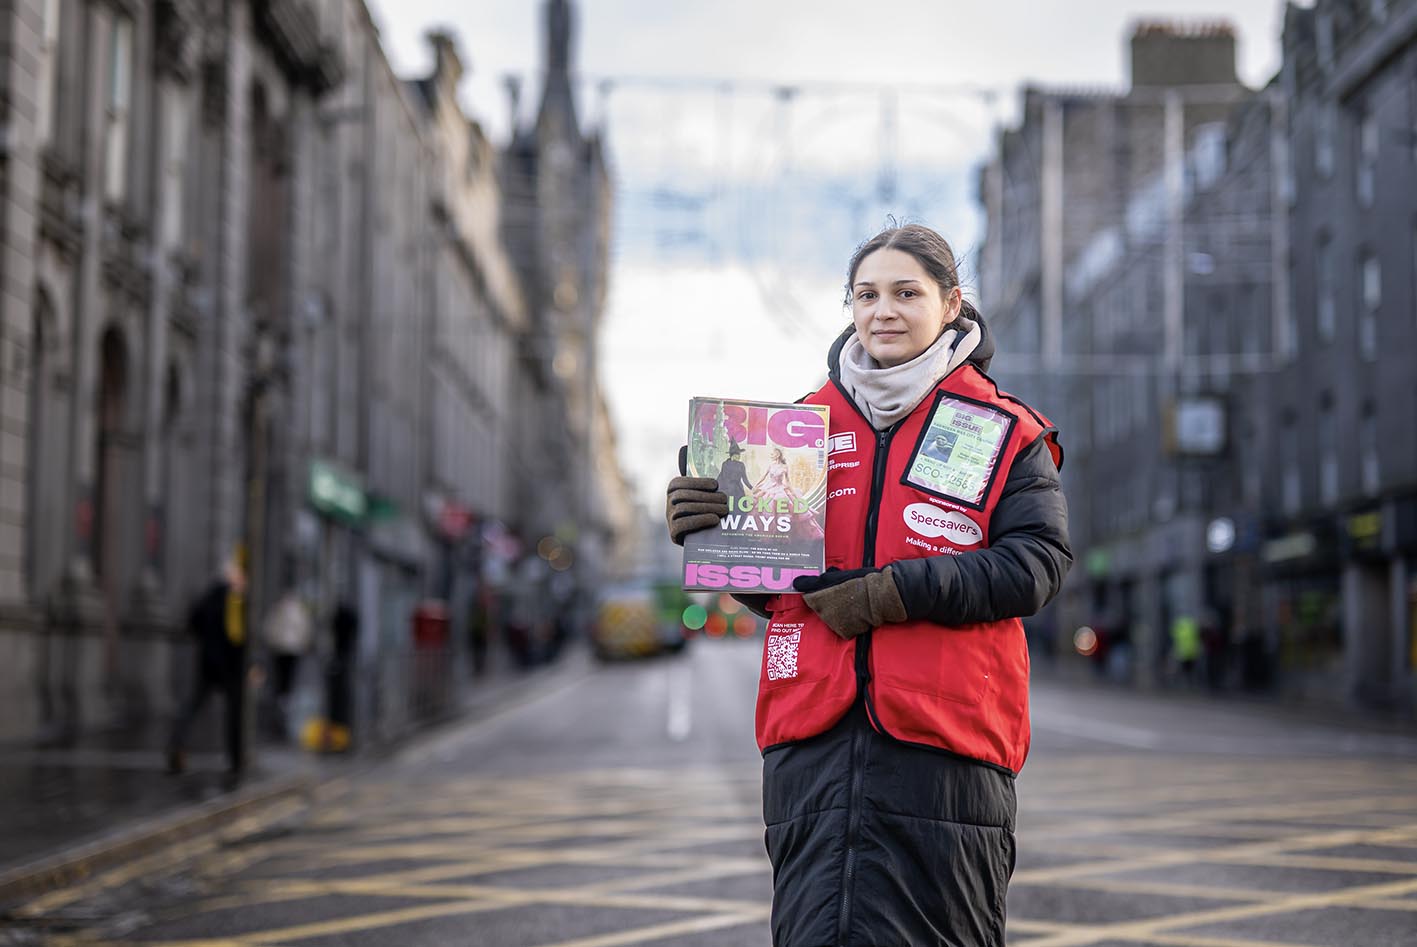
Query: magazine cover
(771, 460)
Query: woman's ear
(953, 302)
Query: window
(48, 58)
(1366, 168)
(1253, 473)
(176, 147)
(1291, 487)
(1412, 117)
(1368, 449)
(1325, 303)
(1323, 141)
(1287, 345)
(120, 78)
(1328, 452)
(1284, 159)
(1370, 284)
(1250, 323)
(1324, 38)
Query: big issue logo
(757, 424)
(930, 520)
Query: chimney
(447, 64)
(1167, 53)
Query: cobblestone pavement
(594, 818)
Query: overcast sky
(736, 211)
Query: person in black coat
(218, 623)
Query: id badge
(957, 456)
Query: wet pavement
(55, 798)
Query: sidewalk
(67, 813)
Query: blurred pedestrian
(218, 622)
(479, 628)
(288, 634)
(340, 697)
(1185, 646)
(893, 697)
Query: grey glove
(694, 503)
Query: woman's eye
(907, 294)
(867, 294)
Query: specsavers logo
(929, 520)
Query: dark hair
(930, 249)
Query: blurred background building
(1213, 289)
(260, 290)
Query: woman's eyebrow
(898, 282)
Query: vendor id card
(959, 450)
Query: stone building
(478, 315)
(1232, 340)
(1340, 556)
(1069, 193)
(556, 221)
(1165, 448)
(256, 292)
(150, 208)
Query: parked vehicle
(638, 620)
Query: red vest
(927, 487)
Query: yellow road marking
(658, 820)
(157, 862)
(1148, 928)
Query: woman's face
(777, 455)
(898, 309)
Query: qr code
(782, 655)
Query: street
(619, 805)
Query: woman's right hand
(693, 503)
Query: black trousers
(878, 843)
(229, 685)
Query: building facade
(1082, 277)
(257, 294)
(556, 223)
(1342, 522)
(1226, 324)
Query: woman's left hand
(852, 601)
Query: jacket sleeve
(1021, 570)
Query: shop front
(1303, 608)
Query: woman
(893, 699)
(774, 483)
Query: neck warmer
(885, 395)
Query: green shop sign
(336, 493)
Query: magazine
(771, 460)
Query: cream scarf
(885, 395)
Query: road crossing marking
(689, 841)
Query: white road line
(680, 714)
